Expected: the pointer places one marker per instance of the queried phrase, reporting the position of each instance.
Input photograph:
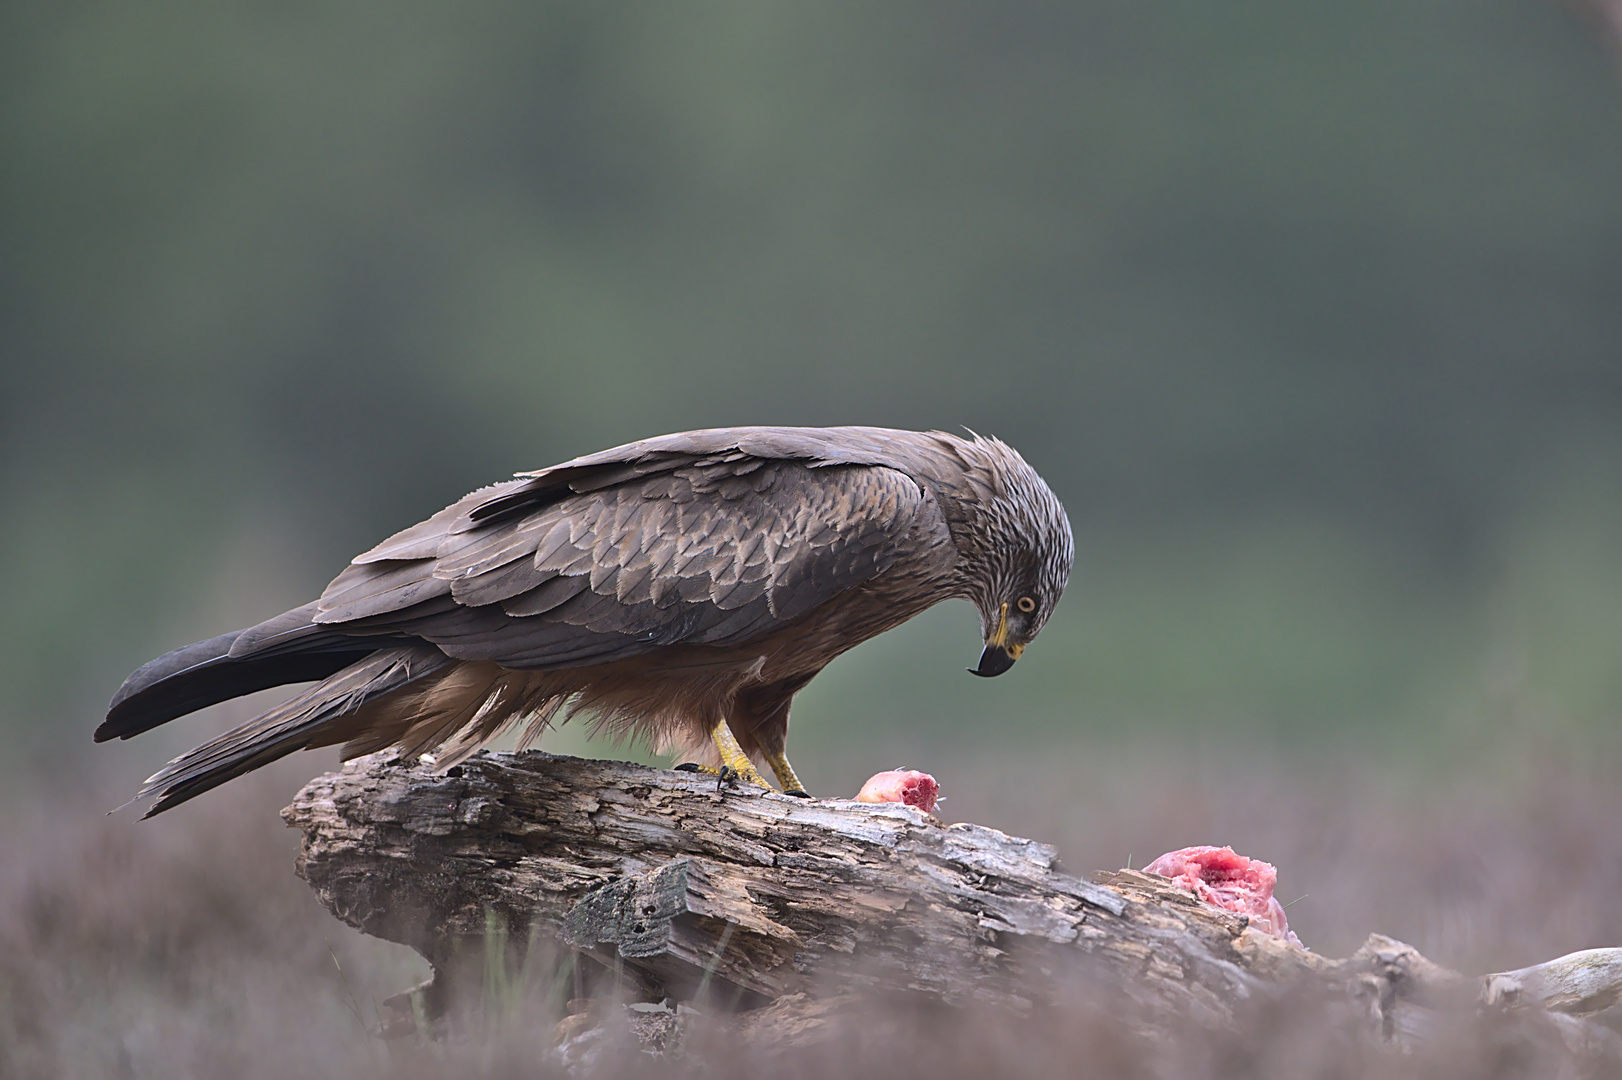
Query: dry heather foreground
(185, 946)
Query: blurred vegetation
(1309, 312)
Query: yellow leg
(735, 765)
(785, 774)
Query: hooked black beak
(994, 661)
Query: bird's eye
(1027, 604)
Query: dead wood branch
(679, 886)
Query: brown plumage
(681, 588)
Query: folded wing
(712, 550)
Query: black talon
(798, 793)
(689, 766)
(726, 775)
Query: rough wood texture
(678, 885)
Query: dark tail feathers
(287, 649)
(349, 669)
(308, 720)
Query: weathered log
(682, 886)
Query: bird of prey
(682, 588)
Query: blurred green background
(1310, 312)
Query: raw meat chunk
(907, 786)
(1221, 876)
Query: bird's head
(1016, 551)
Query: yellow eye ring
(1027, 604)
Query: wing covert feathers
(708, 551)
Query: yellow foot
(785, 776)
(735, 764)
(727, 774)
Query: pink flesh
(1220, 876)
(907, 786)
